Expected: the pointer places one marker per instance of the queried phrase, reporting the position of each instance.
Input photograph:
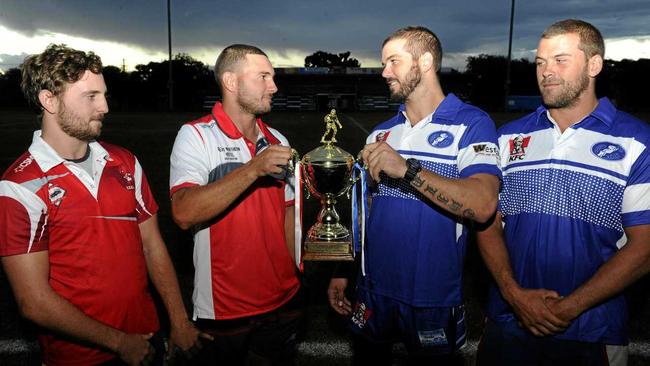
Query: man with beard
(228, 182)
(435, 168)
(576, 208)
(78, 227)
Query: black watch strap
(413, 168)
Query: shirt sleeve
(146, 204)
(478, 150)
(188, 165)
(636, 197)
(23, 218)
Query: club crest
(440, 139)
(608, 151)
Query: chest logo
(518, 146)
(127, 180)
(440, 139)
(361, 314)
(382, 136)
(55, 193)
(608, 151)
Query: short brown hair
(231, 56)
(591, 41)
(419, 40)
(53, 69)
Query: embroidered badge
(608, 151)
(440, 139)
(518, 147)
(432, 337)
(55, 193)
(361, 314)
(382, 136)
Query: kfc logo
(518, 147)
(382, 136)
(361, 314)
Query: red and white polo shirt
(89, 226)
(242, 263)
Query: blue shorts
(434, 330)
(509, 344)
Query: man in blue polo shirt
(435, 169)
(575, 203)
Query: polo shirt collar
(230, 129)
(605, 112)
(47, 158)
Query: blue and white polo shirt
(414, 249)
(565, 200)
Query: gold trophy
(326, 172)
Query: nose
(386, 72)
(272, 87)
(102, 105)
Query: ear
(49, 101)
(426, 62)
(229, 81)
(595, 65)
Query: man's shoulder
(525, 124)
(630, 126)
(23, 169)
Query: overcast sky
(135, 32)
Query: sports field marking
(356, 123)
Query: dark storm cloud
(334, 26)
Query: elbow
(181, 220)
(485, 212)
(31, 310)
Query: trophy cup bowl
(326, 172)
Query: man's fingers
(206, 336)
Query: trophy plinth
(326, 173)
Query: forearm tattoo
(452, 205)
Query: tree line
(483, 83)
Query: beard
(569, 93)
(79, 127)
(253, 105)
(407, 85)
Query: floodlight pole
(170, 81)
(507, 86)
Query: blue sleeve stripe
(481, 169)
(432, 155)
(570, 163)
(636, 218)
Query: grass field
(150, 136)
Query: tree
(326, 59)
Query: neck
(246, 122)
(566, 117)
(66, 146)
(423, 101)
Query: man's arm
(162, 274)
(289, 231)
(474, 197)
(629, 264)
(194, 205)
(28, 275)
(528, 304)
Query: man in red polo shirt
(228, 183)
(78, 227)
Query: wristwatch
(413, 167)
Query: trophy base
(324, 250)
